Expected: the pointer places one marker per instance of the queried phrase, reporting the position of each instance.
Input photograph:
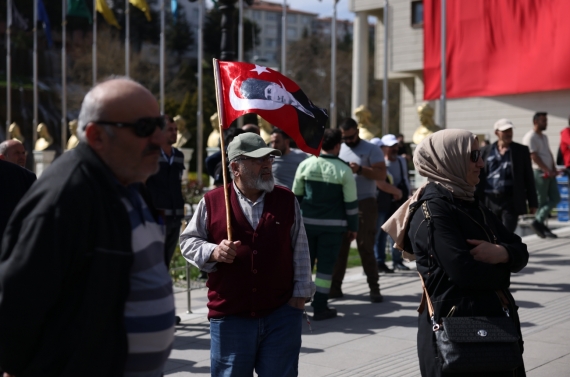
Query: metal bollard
(188, 288)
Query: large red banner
(497, 47)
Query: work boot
(538, 229)
(336, 293)
(548, 233)
(383, 268)
(401, 266)
(376, 296)
(327, 313)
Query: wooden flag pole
(223, 146)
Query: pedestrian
(84, 288)
(544, 171)
(165, 187)
(565, 147)
(367, 164)
(285, 166)
(14, 183)
(13, 151)
(506, 185)
(260, 279)
(463, 252)
(397, 168)
(326, 189)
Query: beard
(256, 181)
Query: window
(270, 30)
(291, 18)
(292, 33)
(417, 14)
(256, 15)
(272, 16)
(270, 42)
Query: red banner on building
(497, 47)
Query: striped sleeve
(350, 200)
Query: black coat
(452, 276)
(165, 187)
(523, 186)
(14, 182)
(64, 274)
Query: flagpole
(284, 38)
(127, 37)
(443, 98)
(8, 65)
(63, 74)
(94, 44)
(199, 115)
(333, 68)
(240, 45)
(162, 56)
(223, 146)
(385, 103)
(35, 76)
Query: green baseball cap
(249, 145)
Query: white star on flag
(260, 69)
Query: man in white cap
(506, 183)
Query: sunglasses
(143, 127)
(474, 156)
(351, 137)
(259, 160)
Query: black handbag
(474, 344)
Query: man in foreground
(84, 290)
(544, 171)
(506, 184)
(326, 189)
(259, 279)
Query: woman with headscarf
(466, 254)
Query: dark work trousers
(172, 237)
(367, 215)
(324, 247)
(503, 207)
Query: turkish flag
(249, 88)
(497, 47)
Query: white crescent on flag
(241, 104)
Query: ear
(234, 167)
(96, 136)
(497, 133)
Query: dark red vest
(261, 277)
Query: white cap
(503, 125)
(376, 141)
(389, 140)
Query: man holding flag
(255, 248)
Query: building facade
(405, 66)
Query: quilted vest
(261, 277)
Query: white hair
(7, 144)
(92, 108)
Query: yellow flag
(142, 5)
(107, 13)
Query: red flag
(497, 47)
(249, 88)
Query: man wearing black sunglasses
(86, 251)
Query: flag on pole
(174, 9)
(107, 13)
(78, 8)
(43, 17)
(18, 20)
(249, 88)
(142, 5)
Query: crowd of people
(85, 252)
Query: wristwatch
(359, 171)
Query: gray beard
(257, 182)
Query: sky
(323, 8)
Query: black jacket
(453, 278)
(64, 274)
(14, 182)
(524, 188)
(165, 189)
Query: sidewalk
(380, 339)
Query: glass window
(417, 13)
(291, 33)
(270, 30)
(291, 18)
(270, 42)
(256, 15)
(272, 16)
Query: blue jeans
(270, 345)
(380, 242)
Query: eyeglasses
(143, 127)
(348, 138)
(474, 156)
(258, 160)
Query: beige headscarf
(442, 157)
